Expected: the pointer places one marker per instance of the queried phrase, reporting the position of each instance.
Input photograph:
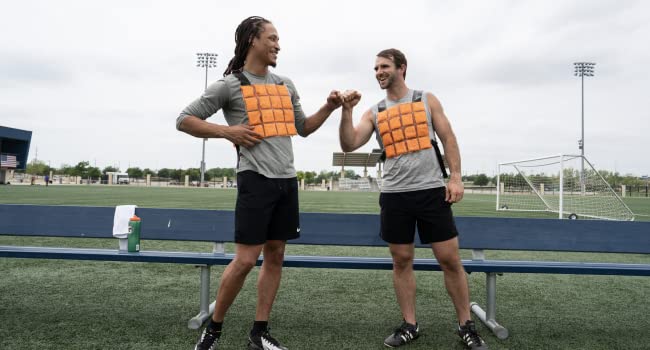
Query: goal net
(567, 185)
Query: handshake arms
(352, 137)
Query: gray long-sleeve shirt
(273, 157)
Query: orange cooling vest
(269, 108)
(403, 128)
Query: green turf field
(52, 304)
(310, 201)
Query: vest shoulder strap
(440, 159)
(242, 78)
(417, 95)
(381, 106)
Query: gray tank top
(410, 171)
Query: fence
(362, 184)
(633, 191)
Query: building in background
(14, 150)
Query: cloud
(106, 82)
(27, 68)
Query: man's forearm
(316, 120)
(346, 130)
(200, 128)
(452, 155)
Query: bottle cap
(134, 218)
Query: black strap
(439, 156)
(238, 156)
(242, 78)
(417, 95)
(381, 106)
(382, 157)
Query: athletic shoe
(470, 336)
(208, 340)
(264, 342)
(405, 334)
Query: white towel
(123, 214)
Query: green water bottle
(134, 234)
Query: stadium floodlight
(582, 70)
(205, 60)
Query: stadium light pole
(205, 60)
(582, 70)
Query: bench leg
(205, 310)
(489, 317)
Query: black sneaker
(470, 336)
(264, 342)
(405, 334)
(208, 340)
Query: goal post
(567, 185)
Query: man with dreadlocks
(413, 192)
(263, 111)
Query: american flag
(8, 161)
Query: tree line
(614, 179)
(85, 171)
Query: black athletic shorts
(402, 211)
(267, 209)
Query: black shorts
(401, 212)
(267, 209)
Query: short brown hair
(396, 56)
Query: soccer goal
(565, 184)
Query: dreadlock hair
(247, 30)
(396, 56)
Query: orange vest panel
(404, 129)
(269, 109)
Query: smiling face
(266, 46)
(386, 72)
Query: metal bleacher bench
(476, 233)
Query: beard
(389, 82)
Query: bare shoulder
(368, 115)
(433, 102)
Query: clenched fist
(350, 98)
(334, 100)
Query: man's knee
(243, 264)
(402, 261)
(274, 253)
(450, 263)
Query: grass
(59, 304)
(197, 198)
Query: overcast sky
(105, 81)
